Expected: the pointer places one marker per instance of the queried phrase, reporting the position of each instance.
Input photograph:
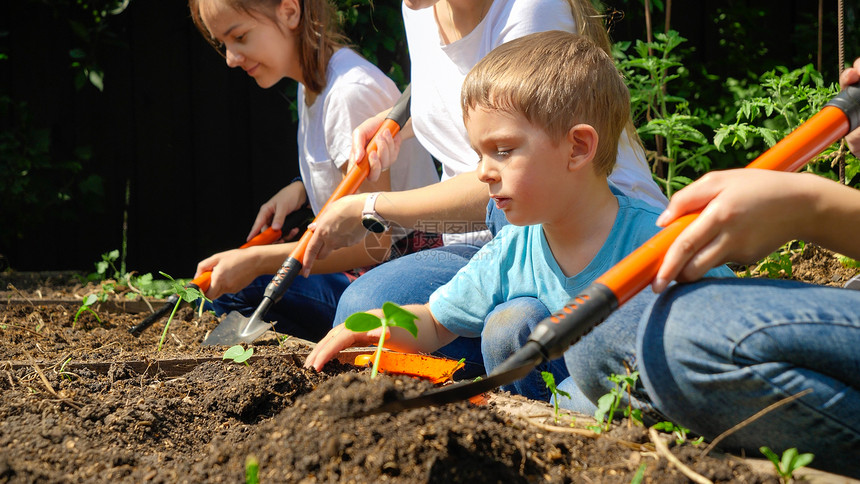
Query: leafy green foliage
(608, 404)
(680, 433)
(187, 294)
(790, 462)
(86, 305)
(393, 316)
(665, 119)
(238, 354)
(549, 380)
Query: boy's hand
(232, 270)
(272, 213)
(338, 339)
(850, 76)
(738, 223)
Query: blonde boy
(544, 114)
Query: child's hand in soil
(850, 76)
(338, 339)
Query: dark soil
(119, 411)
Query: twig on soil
(25, 329)
(12, 287)
(590, 434)
(134, 289)
(663, 450)
(51, 389)
(753, 418)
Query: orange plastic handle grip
(349, 185)
(265, 237)
(637, 270)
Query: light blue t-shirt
(518, 262)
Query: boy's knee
(509, 325)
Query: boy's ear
(583, 140)
(290, 13)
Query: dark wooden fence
(201, 146)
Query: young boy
(544, 113)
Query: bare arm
(460, 201)
(431, 336)
(748, 213)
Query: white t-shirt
(438, 71)
(355, 90)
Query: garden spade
(236, 328)
(201, 282)
(555, 334)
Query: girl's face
(267, 50)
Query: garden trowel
(296, 219)
(236, 328)
(555, 334)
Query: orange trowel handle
(637, 270)
(633, 273)
(396, 118)
(265, 237)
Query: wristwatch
(370, 218)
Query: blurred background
(121, 128)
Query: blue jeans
(715, 352)
(410, 280)
(609, 348)
(506, 329)
(305, 311)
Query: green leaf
(397, 316)
(90, 300)
(788, 458)
(770, 455)
(244, 356)
(362, 322)
(233, 352)
(803, 460)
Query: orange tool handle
(350, 183)
(265, 237)
(638, 269)
(396, 118)
(554, 335)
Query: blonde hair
(318, 38)
(556, 80)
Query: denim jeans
(305, 311)
(714, 353)
(410, 280)
(506, 329)
(609, 348)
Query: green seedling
(393, 315)
(680, 433)
(187, 294)
(640, 473)
(790, 462)
(608, 404)
(62, 371)
(252, 470)
(238, 354)
(86, 305)
(549, 379)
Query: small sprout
(790, 462)
(640, 473)
(393, 315)
(63, 371)
(238, 354)
(608, 404)
(86, 305)
(549, 379)
(252, 470)
(187, 294)
(680, 433)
